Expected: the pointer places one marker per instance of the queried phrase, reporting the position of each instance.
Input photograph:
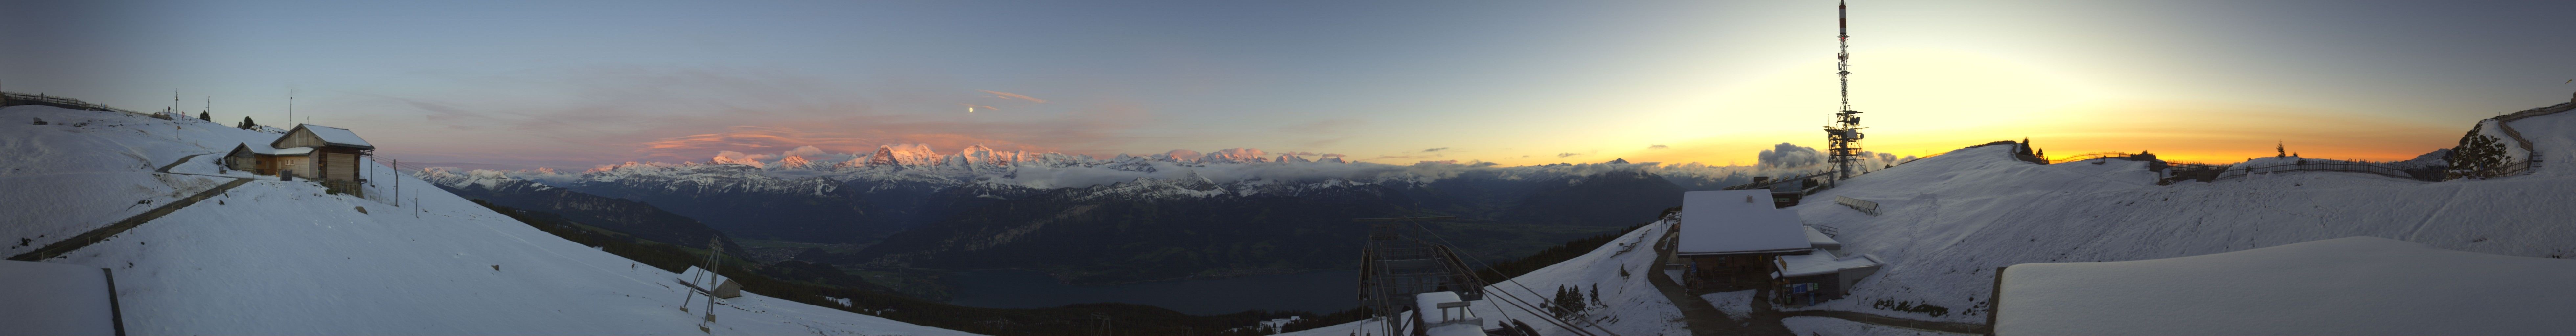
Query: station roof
(1720, 222)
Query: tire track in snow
(2447, 203)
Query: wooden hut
(333, 157)
(725, 287)
(257, 159)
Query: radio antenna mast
(1844, 136)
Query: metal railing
(1768, 183)
(1864, 206)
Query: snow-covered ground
(1636, 308)
(1827, 326)
(2343, 286)
(1950, 220)
(283, 258)
(1737, 304)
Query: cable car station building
(1732, 240)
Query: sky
(572, 84)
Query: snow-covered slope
(1634, 306)
(85, 169)
(1950, 220)
(283, 258)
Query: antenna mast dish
(1844, 136)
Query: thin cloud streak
(1008, 95)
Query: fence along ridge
(2531, 154)
(2339, 166)
(15, 99)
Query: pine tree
(2478, 156)
(1596, 295)
(2280, 151)
(2025, 147)
(201, 115)
(246, 123)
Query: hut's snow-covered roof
(256, 149)
(1737, 221)
(694, 274)
(264, 149)
(2342, 286)
(335, 136)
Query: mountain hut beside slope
(1733, 240)
(323, 153)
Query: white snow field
(282, 258)
(1827, 326)
(1635, 307)
(1948, 221)
(2344, 286)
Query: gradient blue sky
(572, 84)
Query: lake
(1317, 292)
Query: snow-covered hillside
(1634, 306)
(283, 258)
(1948, 221)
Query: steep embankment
(283, 257)
(1949, 221)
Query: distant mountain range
(1126, 218)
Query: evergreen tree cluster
(1568, 304)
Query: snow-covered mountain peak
(1179, 155)
(485, 178)
(793, 162)
(1234, 155)
(903, 155)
